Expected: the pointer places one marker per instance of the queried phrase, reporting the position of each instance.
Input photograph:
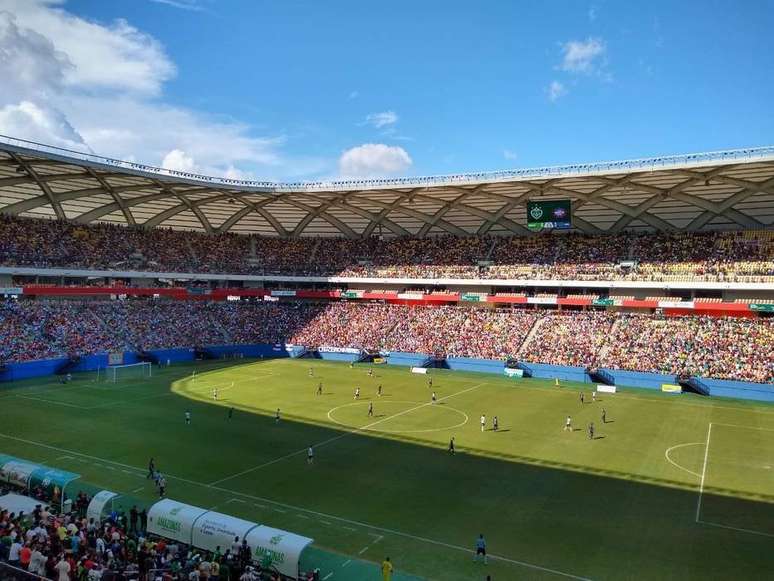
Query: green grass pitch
(671, 487)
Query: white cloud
(113, 56)
(353, 95)
(85, 85)
(41, 124)
(592, 13)
(555, 91)
(582, 56)
(382, 119)
(193, 5)
(178, 160)
(373, 160)
(510, 155)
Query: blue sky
(300, 90)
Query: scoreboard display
(549, 214)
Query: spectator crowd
(717, 347)
(69, 547)
(701, 256)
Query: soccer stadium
(540, 373)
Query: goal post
(143, 370)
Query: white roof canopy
(717, 190)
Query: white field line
(340, 436)
(306, 510)
(675, 464)
(745, 427)
(371, 544)
(750, 531)
(49, 401)
(703, 473)
(136, 490)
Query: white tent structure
(173, 520)
(282, 548)
(16, 503)
(205, 529)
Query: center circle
(377, 422)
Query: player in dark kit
(604, 416)
(319, 388)
(371, 409)
(379, 391)
(451, 445)
(581, 398)
(151, 468)
(591, 431)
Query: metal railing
(581, 169)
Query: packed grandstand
(645, 294)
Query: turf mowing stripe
(340, 436)
(309, 511)
(703, 473)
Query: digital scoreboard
(549, 215)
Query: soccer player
(556, 382)
(371, 409)
(310, 455)
(187, 418)
(162, 486)
(495, 424)
(319, 388)
(483, 422)
(581, 398)
(430, 382)
(568, 424)
(230, 412)
(379, 391)
(311, 372)
(451, 446)
(215, 394)
(593, 397)
(152, 468)
(357, 393)
(370, 372)
(277, 416)
(591, 431)
(480, 548)
(433, 399)
(604, 416)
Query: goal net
(130, 371)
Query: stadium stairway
(147, 357)
(601, 376)
(532, 332)
(694, 385)
(69, 365)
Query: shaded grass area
(549, 502)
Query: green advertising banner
(762, 307)
(604, 302)
(474, 298)
(351, 294)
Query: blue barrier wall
(740, 389)
(261, 350)
(409, 359)
(44, 367)
(562, 372)
(346, 357)
(171, 355)
(477, 365)
(641, 379)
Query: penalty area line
(318, 514)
